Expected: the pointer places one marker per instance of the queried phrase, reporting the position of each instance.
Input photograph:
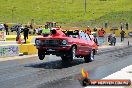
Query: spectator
(126, 25)
(95, 29)
(34, 31)
(46, 31)
(31, 26)
(26, 31)
(122, 33)
(121, 26)
(88, 31)
(109, 37)
(114, 40)
(18, 31)
(95, 39)
(39, 30)
(106, 25)
(101, 32)
(6, 28)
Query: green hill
(67, 12)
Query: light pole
(12, 10)
(85, 7)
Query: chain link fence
(99, 23)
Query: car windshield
(73, 33)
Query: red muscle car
(67, 45)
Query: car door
(83, 43)
(90, 43)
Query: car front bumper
(59, 50)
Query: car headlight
(38, 42)
(64, 42)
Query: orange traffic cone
(19, 40)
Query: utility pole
(85, 7)
(12, 14)
(12, 10)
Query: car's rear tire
(95, 52)
(89, 57)
(41, 55)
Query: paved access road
(52, 73)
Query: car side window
(73, 36)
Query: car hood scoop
(55, 33)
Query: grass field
(67, 12)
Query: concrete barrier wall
(28, 49)
(16, 49)
(9, 50)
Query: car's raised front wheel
(89, 57)
(64, 58)
(70, 55)
(41, 55)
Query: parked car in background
(14, 27)
(67, 45)
(2, 27)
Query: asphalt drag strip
(32, 73)
(95, 72)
